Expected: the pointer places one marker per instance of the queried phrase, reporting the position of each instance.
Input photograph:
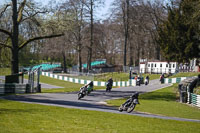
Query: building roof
(95, 63)
(156, 61)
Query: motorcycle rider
(130, 104)
(134, 97)
(162, 78)
(89, 87)
(147, 80)
(110, 83)
(137, 78)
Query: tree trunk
(158, 52)
(131, 61)
(15, 62)
(80, 60)
(125, 44)
(126, 28)
(15, 33)
(131, 54)
(138, 55)
(64, 62)
(91, 38)
(88, 60)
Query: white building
(158, 67)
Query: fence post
(189, 97)
(38, 80)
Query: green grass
(116, 76)
(152, 76)
(16, 117)
(68, 86)
(185, 74)
(163, 102)
(5, 71)
(120, 76)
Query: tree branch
(6, 32)
(38, 38)
(1, 14)
(33, 15)
(4, 45)
(21, 8)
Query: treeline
(136, 29)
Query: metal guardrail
(194, 99)
(131, 82)
(186, 88)
(176, 80)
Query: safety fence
(14, 88)
(187, 89)
(131, 82)
(174, 80)
(193, 99)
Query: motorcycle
(82, 92)
(108, 86)
(130, 104)
(146, 82)
(138, 82)
(85, 90)
(162, 78)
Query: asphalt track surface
(95, 100)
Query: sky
(101, 13)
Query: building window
(152, 65)
(160, 65)
(173, 65)
(166, 65)
(169, 65)
(155, 65)
(148, 65)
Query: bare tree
(78, 9)
(18, 16)
(90, 6)
(138, 21)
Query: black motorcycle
(82, 92)
(130, 104)
(146, 82)
(108, 86)
(85, 90)
(138, 82)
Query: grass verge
(16, 117)
(163, 102)
(185, 74)
(68, 86)
(120, 76)
(5, 71)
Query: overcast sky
(101, 14)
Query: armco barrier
(193, 99)
(6, 88)
(96, 83)
(174, 80)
